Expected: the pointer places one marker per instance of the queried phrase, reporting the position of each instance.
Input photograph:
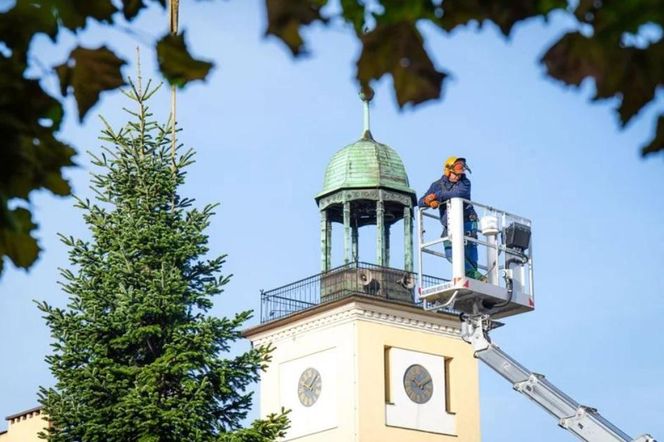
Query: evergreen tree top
(135, 355)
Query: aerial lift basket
(502, 283)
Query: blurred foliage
(32, 156)
(608, 47)
(175, 62)
(87, 73)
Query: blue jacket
(444, 190)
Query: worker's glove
(434, 204)
(430, 197)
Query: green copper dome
(365, 164)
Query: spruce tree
(136, 355)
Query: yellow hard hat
(455, 164)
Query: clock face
(309, 386)
(418, 384)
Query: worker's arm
(433, 189)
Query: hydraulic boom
(585, 422)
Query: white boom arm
(585, 422)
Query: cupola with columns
(366, 184)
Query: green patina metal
(366, 184)
(365, 164)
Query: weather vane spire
(366, 95)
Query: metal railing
(489, 261)
(353, 279)
(495, 249)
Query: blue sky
(264, 127)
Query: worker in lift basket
(453, 184)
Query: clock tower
(356, 358)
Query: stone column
(386, 246)
(329, 244)
(325, 236)
(355, 239)
(347, 233)
(380, 232)
(408, 239)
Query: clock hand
(312, 382)
(421, 385)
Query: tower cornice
(355, 308)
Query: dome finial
(366, 95)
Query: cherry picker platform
(498, 285)
(506, 286)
